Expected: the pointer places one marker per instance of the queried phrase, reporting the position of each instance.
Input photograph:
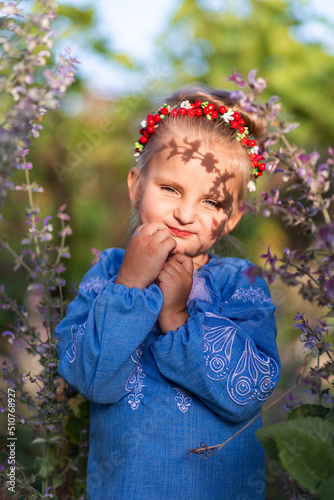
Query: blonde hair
(213, 132)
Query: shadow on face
(188, 150)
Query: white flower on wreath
(143, 123)
(228, 116)
(251, 186)
(185, 104)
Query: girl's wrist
(130, 283)
(171, 322)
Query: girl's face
(191, 189)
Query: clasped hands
(147, 259)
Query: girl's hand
(145, 255)
(175, 281)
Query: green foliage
(308, 410)
(78, 420)
(80, 18)
(304, 447)
(212, 44)
(45, 467)
(326, 488)
(80, 26)
(330, 415)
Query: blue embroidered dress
(154, 396)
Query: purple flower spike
(10, 335)
(238, 79)
(290, 127)
(329, 287)
(258, 84)
(237, 94)
(274, 107)
(46, 220)
(23, 152)
(26, 166)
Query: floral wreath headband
(204, 108)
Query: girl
(172, 345)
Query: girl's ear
(134, 185)
(233, 221)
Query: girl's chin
(182, 249)
(202, 257)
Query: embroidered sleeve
(226, 353)
(255, 374)
(102, 333)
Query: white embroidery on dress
(199, 289)
(183, 400)
(93, 284)
(254, 376)
(250, 294)
(76, 330)
(217, 343)
(134, 384)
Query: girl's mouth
(179, 232)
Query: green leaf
(45, 467)
(79, 17)
(325, 490)
(308, 411)
(38, 440)
(330, 415)
(57, 481)
(308, 459)
(101, 45)
(304, 448)
(266, 436)
(123, 59)
(78, 419)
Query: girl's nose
(184, 213)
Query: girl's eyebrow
(163, 180)
(168, 182)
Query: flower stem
(14, 254)
(62, 243)
(326, 216)
(31, 206)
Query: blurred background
(133, 53)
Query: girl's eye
(213, 203)
(168, 189)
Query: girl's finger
(172, 268)
(175, 266)
(153, 227)
(170, 244)
(184, 260)
(140, 228)
(163, 275)
(164, 238)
